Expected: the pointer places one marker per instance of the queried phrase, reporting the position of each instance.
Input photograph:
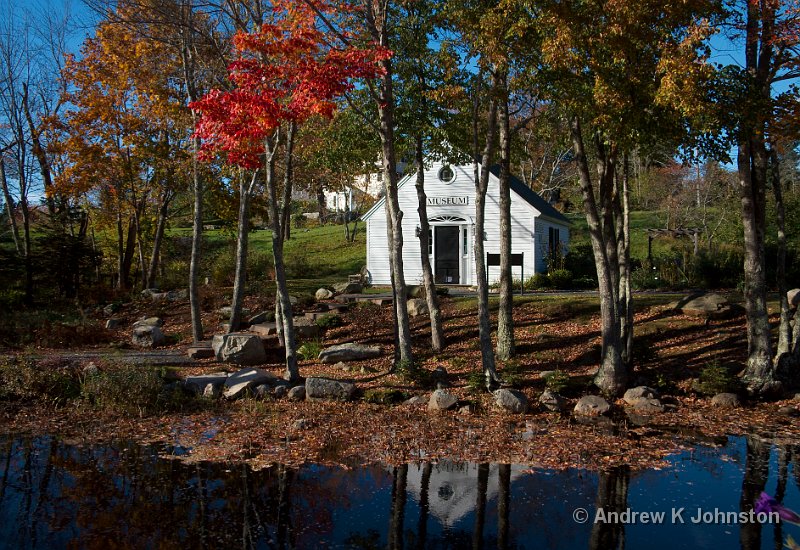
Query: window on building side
(430, 241)
(446, 174)
(553, 241)
(465, 243)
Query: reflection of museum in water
(536, 228)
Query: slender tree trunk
(26, 236)
(188, 65)
(505, 318)
(130, 252)
(120, 250)
(39, 152)
(784, 329)
(137, 220)
(481, 175)
(282, 292)
(611, 378)
(158, 238)
(624, 256)
(437, 336)
(377, 16)
(12, 220)
(242, 241)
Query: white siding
(525, 233)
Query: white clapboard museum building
(536, 228)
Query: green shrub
(31, 380)
(580, 262)
(175, 274)
(715, 378)
(512, 373)
(560, 279)
(223, 269)
(128, 389)
(646, 278)
(539, 281)
(329, 321)
(557, 381)
(309, 350)
(260, 266)
(297, 266)
(413, 373)
(476, 381)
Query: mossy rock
(382, 396)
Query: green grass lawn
(315, 256)
(641, 221)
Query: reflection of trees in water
(756, 472)
(612, 496)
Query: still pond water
(56, 495)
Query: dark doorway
(446, 256)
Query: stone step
(200, 350)
(377, 300)
(264, 329)
(335, 307)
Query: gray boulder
(297, 393)
(512, 401)
(646, 405)
(149, 322)
(417, 307)
(592, 405)
(348, 352)
(239, 348)
(111, 309)
(415, 401)
(633, 395)
(262, 391)
(348, 288)
(441, 400)
(794, 297)
(323, 294)
(212, 390)
(112, 323)
(238, 382)
(709, 305)
(147, 337)
(305, 327)
(327, 388)
(726, 400)
(262, 317)
(90, 370)
(280, 392)
(198, 383)
(552, 401)
(147, 293)
(178, 295)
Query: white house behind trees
(536, 228)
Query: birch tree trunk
(505, 319)
(437, 336)
(377, 16)
(292, 373)
(784, 328)
(242, 242)
(481, 175)
(625, 306)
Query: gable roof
(526, 193)
(532, 197)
